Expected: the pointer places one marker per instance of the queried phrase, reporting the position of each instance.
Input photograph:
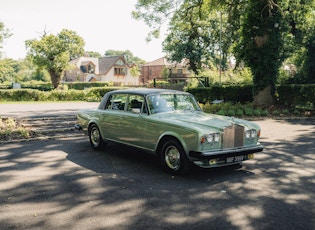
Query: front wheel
(173, 158)
(95, 137)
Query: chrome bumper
(226, 153)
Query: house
(113, 69)
(161, 69)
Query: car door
(112, 116)
(134, 121)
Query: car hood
(203, 121)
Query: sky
(103, 24)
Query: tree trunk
(55, 79)
(264, 97)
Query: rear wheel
(173, 158)
(95, 136)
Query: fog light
(250, 156)
(212, 162)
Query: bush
(275, 112)
(249, 112)
(230, 93)
(221, 112)
(239, 113)
(264, 113)
(257, 112)
(93, 94)
(231, 113)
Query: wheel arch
(93, 122)
(167, 136)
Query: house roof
(102, 64)
(164, 62)
(85, 60)
(86, 63)
(106, 63)
(158, 62)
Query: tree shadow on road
(71, 186)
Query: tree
(188, 37)
(197, 33)
(261, 47)
(302, 19)
(92, 54)
(127, 54)
(4, 33)
(54, 52)
(7, 70)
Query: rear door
(112, 116)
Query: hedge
(92, 94)
(47, 86)
(296, 94)
(231, 93)
(287, 95)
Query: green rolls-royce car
(170, 124)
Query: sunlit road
(63, 184)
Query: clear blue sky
(103, 24)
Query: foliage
(135, 71)
(292, 95)
(231, 93)
(20, 71)
(12, 129)
(261, 43)
(90, 94)
(128, 55)
(4, 33)
(54, 52)
(262, 33)
(188, 37)
(230, 76)
(7, 70)
(92, 54)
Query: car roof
(146, 91)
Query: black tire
(95, 137)
(173, 158)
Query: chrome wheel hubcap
(95, 136)
(172, 157)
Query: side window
(135, 103)
(116, 102)
(109, 102)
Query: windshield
(160, 103)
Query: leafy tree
(135, 71)
(92, 54)
(7, 70)
(54, 52)
(128, 55)
(261, 47)
(262, 33)
(303, 29)
(4, 33)
(188, 37)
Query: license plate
(234, 159)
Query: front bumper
(224, 157)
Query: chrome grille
(233, 136)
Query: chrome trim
(228, 152)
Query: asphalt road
(42, 109)
(63, 184)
